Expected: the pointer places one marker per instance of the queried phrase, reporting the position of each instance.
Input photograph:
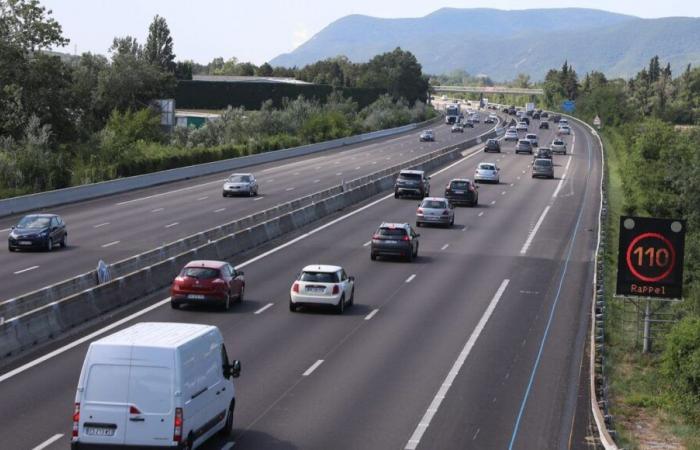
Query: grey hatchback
(542, 168)
(394, 239)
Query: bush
(681, 367)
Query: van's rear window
(107, 383)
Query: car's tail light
(177, 425)
(405, 238)
(336, 289)
(471, 188)
(295, 288)
(376, 236)
(76, 420)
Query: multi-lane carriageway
(478, 344)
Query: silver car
(487, 172)
(564, 129)
(240, 184)
(435, 210)
(543, 168)
(558, 146)
(532, 138)
(511, 135)
(522, 126)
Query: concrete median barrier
(144, 274)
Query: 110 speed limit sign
(650, 257)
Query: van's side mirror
(233, 370)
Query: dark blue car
(38, 231)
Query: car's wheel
(372, 256)
(49, 245)
(352, 297)
(223, 194)
(396, 195)
(292, 306)
(415, 252)
(64, 241)
(187, 445)
(10, 248)
(340, 307)
(452, 222)
(228, 426)
(239, 299)
(227, 302)
(174, 305)
(418, 224)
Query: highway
(476, 345)
(120, 226)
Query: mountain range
(501, 44)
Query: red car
(214, 282)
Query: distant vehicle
(563, 121)
(394, 239)
(452, 113)
(487, 172)
(543, 153)
(522, 126)
(512, 110)
(435, 210)
(511, 135)
(462, 191)
(526, 120)
(564, 130)
(212, 282)
(543, 168)
(532, 138)
(544, 115)
(322, 285)
(544, 125)
(555, 118)
(490, 120)
(558, 146)
(457, 128)
(38, 231)
(505, 110)
(523, 146)
(468, 123)
(427, 136)
(536, 115)
(492, 145)
(240, 184)
(155, 385)
(412, 182)
(476, 117)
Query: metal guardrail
(488, 90)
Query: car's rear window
(392, 232)
(492, 142)
(410, 176)
(487, 167)
(319, 277)
(201, 273)
(459, 185)
(436, 204)
(543, 163)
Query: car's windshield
(34, 222)
(201, 273)
(319, 277)
(239, 179)
(433, 204)
(410, 176)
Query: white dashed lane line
(100, 225)
(110, 244)
(289, 189)
(409, 279)
(311, 369)
(26, 270)
(261, 310)
(49, 441)
(444, 246)
(371, 314)
(170, 225)
(202, 198)
(219, 210)
(481, 213)
(157, 210)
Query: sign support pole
(646, 348)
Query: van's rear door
(104, 406)
(151, 419)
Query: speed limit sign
(650, 257)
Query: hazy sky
(259, 30)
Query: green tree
(399, 73)
(265, 70)
(681, 367)
(125, 46)
(522, 81)
(159, 45)
(27, 25)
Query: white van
(155, 385)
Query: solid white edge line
(411, 278)
(261, 310)
(313, 367)
(26, 270)
(156, 305)
(454, 371)
(49, 441)
(371, 314)
(531, 236)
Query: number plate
(99, 431)
(391, 242)
(314, 289)
(25, 242)
(195, 296)
(459, 192)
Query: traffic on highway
(444, 314)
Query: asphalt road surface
(477, 344)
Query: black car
(525, 119)
(462, 191)
(544, 114)
(555, 118)
(536, 116)
(492, 145)
(38, 231)
(394, 239)
(544, 125)
(412, 182)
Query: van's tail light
(177, 427)
(76, 420)
(295, 288)
(134, 410)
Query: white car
(532, 138)
(522, 126)
(240, 184)
(322, 285)
(558, 146)
(435, 210)
(487, 172)
(511, 135)
(564, 129)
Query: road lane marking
(203, 198)
(563, 177)
(5, 229)
(338, 174)
(26, 270)
(366, 243)
(531, 236)
(409, 279)
(157, 210)
(476, 434)
(228, 446)
(503, 193)
(49, 441)
(493, 202)
(512, 184)
(258, 198)
(311, 369)
(481, 213)
(100, 225)
(188, 188)
(170, 225)
(219, 210)
(444, 246)
(454, 371)
(316, 181)
(357, 168)
(295, 173)
(110, 244)
(371, 314)
(146, 310)
(289, 189)
(261, 310)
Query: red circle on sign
(668, 244)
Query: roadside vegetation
(651, 136)
(69, 120)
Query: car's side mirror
(233, 370)
(12, 227)
(239, 273)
